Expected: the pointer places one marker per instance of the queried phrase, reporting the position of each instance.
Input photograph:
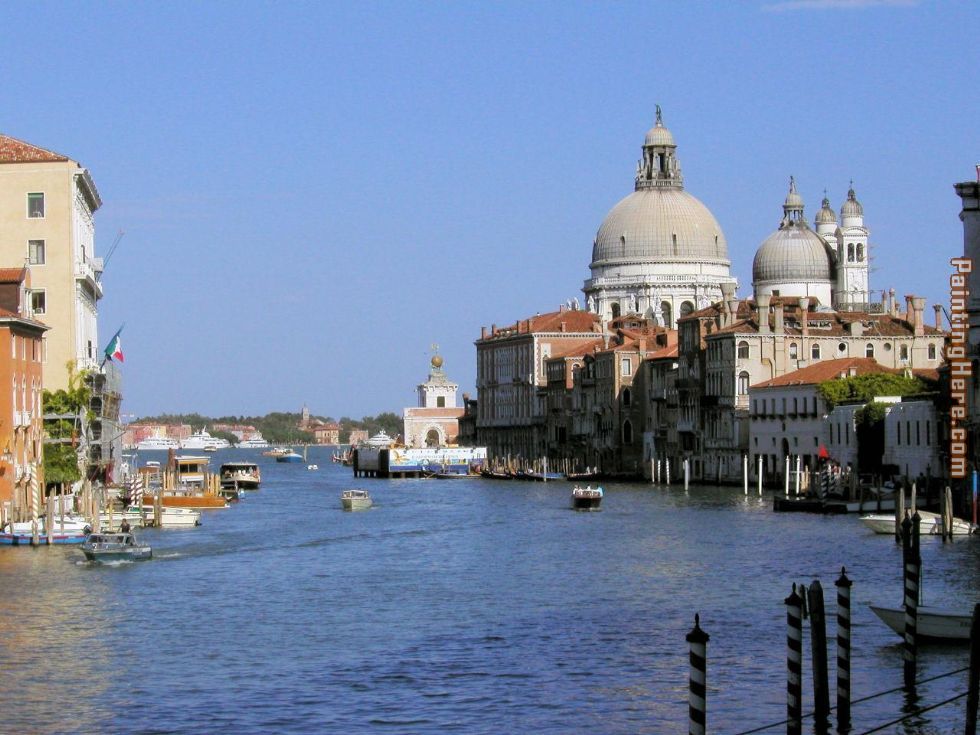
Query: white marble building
(659, 252)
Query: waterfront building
(659, 252)
(434, 422)
(21, 385)
(47, 208)
(911, 445)
(326, 433)
(356, 436)
(969, 309)
(788, 416)
(511, 375)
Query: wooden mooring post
(911, 564)
(794, 663)
(818, 656)
(760, 474)
(843, 585)
(697, 641)
(745, 472)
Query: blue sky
(314, 193)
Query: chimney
(493, 329)
(918, 315)
(892, 303)
(564, 327)
(762, 312)
(939, 315)
(804, 321)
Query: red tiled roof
(12, 275)
(827, 370)
(575, 321)
(17, 151)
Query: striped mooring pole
(794, 663)
(911, 562)
(843, 651)
(697, 699)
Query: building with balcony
(47, 208)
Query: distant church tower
(852, 291)
(438, 391)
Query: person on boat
(124, 526)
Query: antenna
(112, 249)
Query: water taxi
(106, 547)
(586, 498)
(355, 500)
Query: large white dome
(659, 225)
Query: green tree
(866, 387)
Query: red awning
(823, 453)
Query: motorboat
(108, 547)
(930, 524)
(932, 623)
(171, 517)
(312, 467)
(277, 452)
(586, 498)
(240, 475)
(355, 500)
(73, 531)
(157, 443)
(289, 456)
(256, 441)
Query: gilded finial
(659, 118)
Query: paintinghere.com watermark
(959, 365)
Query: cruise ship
(204, 441)
(152, 443)
(256, 441)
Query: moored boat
(586, 498)
(289, 456)
(173, 517)
(932, 623)
(108, 547)
(930, 524)
(355, 500)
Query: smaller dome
(826, 215)
(793, 199)
(658, 135)
(792, 255)
(852, 207)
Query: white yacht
(256, 441)
(204, 441)
(152, 443)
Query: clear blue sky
(313, 193)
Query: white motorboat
(240, 475)
(157, 443)
(586, 498)
(171, 517)
(355, 500)
(932, 623)
(931, 524)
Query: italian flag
(114, 350)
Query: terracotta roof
(827, 370)
(574, 320)
(12, 275)
(663, 353)
(17, 151)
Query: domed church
(659, 252)
(829, 264)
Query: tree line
(282, 427)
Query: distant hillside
(282, 428)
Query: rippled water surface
(468, 606)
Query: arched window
(743, 383)
(932, 351)
(667, 314)
(903, 353)
(815, 351)
(627, 432)
(869, 350)
(793, 353)
(615, 310)
(627, 397)
(860, 253)
(743, 350)
(850, 252)
(686, 308)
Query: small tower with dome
(853, 292)
(434, 421)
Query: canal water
(469, 606)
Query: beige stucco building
(47, 207)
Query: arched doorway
(432, 438)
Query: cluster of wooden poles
(810, 600)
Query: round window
(888, 346)
(842, 347)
